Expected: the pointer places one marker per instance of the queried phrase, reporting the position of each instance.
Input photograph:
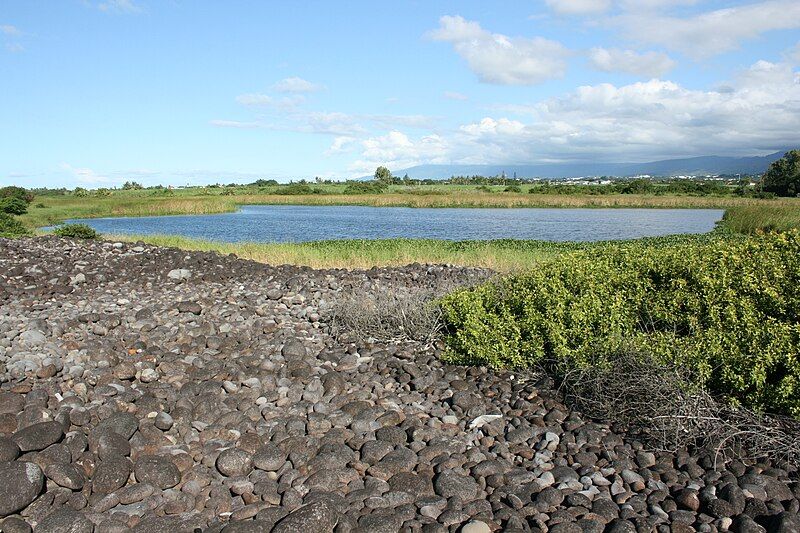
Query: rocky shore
(159, 390)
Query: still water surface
(294, 223)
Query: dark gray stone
(38, 436)
(20, 483)
(157, 471)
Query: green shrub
(76, 231)
(13, 206)
(725, 308)
(365, 187)
(512, 188)
(11, 227)
(17, 192)
(294, 189)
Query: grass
(502, 255)
(499, 255)
(762, 218)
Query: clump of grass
(762, 218)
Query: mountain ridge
(700, 165)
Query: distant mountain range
(703, 165)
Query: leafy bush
(294, 189)
(13, 206)
(11, 227)
(17, 192)
(365, 187)
(725, 308)
(512, 188)
(76, 231)
(484, 188)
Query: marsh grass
(762, 218)
(499, 255)
(197, 201)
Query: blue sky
(96, 92)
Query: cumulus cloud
(339, 145)
(712, 32)
(650, 64)
(578, 7)
(497, 58)
(757, 111)
(398, 150)
(296, 85)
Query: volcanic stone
(234, 462)
(20, 483)
(38, 436)
(449, 484)
(157, 471)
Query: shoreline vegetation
(51, 210)
(743, 214)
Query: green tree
(132, 185)
(17, 192)
(383, 175)
(13, 206)
(783, 175)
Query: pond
(296, 223)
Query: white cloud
(119, 6)
(758, 111)
(578, 7)
(496, 58)
(452, 95)
(86, 175)
(339, 145)
(711, 32)
(11, 31)
(234, 124)
(398, 150)
(254, 99)
(650, 64)
(502, 126)
(296, 85)
(14, 47)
